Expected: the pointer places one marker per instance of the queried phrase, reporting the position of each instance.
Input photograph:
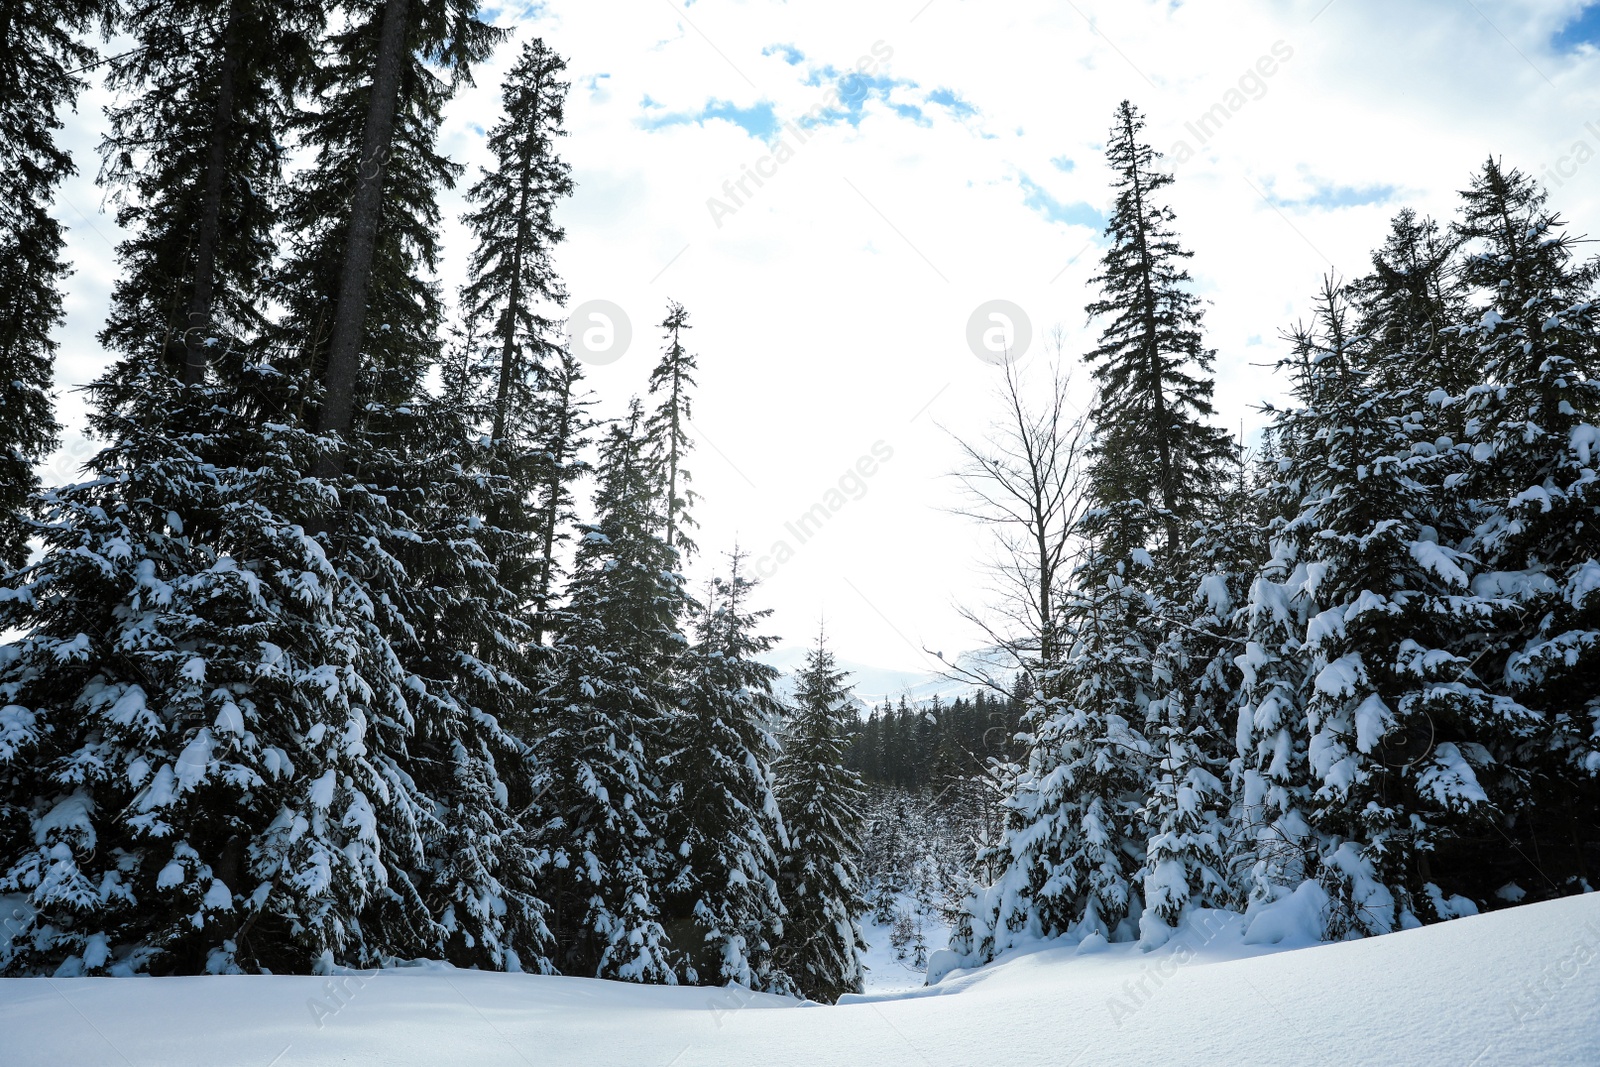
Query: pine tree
(40, 53)
(673, 377)
(820, 803)
(512, 287)
(615, 642)
(1530, 432)
(192, 777)
(1152, 365)
(1384, 599)
(724, 829)
(195, 155)
(361, 316)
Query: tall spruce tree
(1384, 598)
(1151, 362)
(362, 318)
(40, 56)
(1100, 820)
(820, 802)
(192, 784)
(673, 378)
(616, 640)
(724, 830)
(195, 156)
(510, 295)
(1530, 432)
(410, 489)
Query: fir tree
(195, 156)
(615, 642)
(673, 378)
(40, 53)
(511, 287)
(820, 802)
(1152, 365)
(1530, 432)
(724, 829)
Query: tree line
(933, 744)
(317, 665)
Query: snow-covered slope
(1520, 986)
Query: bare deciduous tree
(1024, 481)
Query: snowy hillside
(1520, 986)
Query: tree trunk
(202, 295)
(552, 515)
(349, 319)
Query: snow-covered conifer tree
(1391, 710)
(1152, 365)
(195, 157)
(616, 640)
(724, 832)
(1531, 433)
(820, 801)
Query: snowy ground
(891, 971)
(1515, 987)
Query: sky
(838, 190)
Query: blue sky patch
(1333, 196)
(1582, 30)
(912, 112)
(1079, 214)
(854, 90)
(1063, 164)
(758, 120)
(790, 54)
(947, 99)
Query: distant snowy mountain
(874, 685)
